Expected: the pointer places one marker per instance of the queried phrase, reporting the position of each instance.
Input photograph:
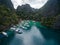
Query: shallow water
(36, 36)
(32, 37)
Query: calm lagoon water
(34, 34)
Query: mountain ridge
(7, 3)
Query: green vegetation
(47, 21)
(50, 21)
(7, 18)
(28, 15)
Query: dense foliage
(7, 18)
(48, 21)
(10, 17)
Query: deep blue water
(35, 36)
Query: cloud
(33, 3)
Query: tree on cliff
(7, 18)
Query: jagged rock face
(59, 5)
(25, 8)
(7, 3)
(51, 8)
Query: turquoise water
(34, 34)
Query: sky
(33, 3)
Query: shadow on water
(52, 36)
(6, 40)
(34, 36)
(16, 41)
